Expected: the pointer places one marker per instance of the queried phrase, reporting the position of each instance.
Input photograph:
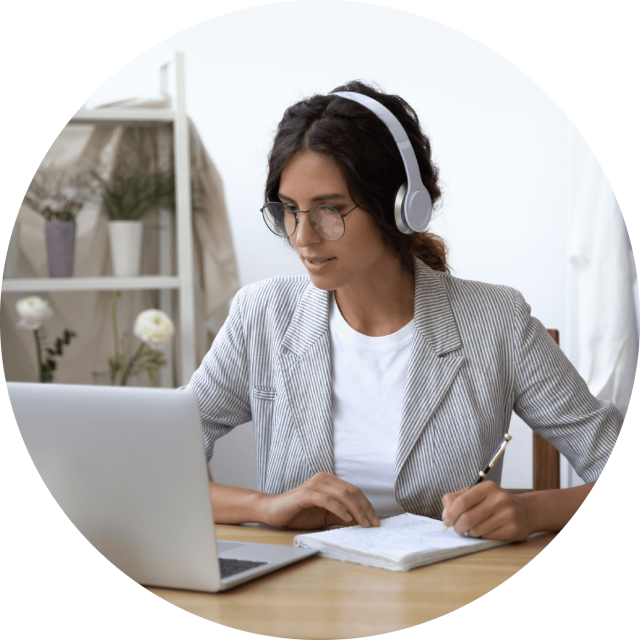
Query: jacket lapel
(432, 364)
(306, 370)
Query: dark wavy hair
(367, 155)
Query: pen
(495, 456)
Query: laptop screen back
(127, 466)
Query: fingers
(487, 511)
(449, 498)
(353, 499)
(469, 507)
(498, 526)
(320, 501)
(330, 504)
(350, 499)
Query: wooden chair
(546, 458)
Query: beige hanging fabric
(102, 148)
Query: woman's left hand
(487, 511)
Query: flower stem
(130, 364)
(39, 352)
(115, 296)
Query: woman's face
(313, 178)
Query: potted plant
(58, 196)
(127, 196)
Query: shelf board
(122, 116)
(103, 283)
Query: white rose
(33, 312)
(153, 327)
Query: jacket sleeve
(221, 383)
(552, 398)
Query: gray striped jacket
(477, 355)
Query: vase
(61, 238)
(126, 246)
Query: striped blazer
(477, 355)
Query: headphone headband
(413, 205)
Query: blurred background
(525, 202)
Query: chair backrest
(546, 458)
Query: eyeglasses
(325, 219)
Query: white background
(509, 158)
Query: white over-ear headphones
(413, 204)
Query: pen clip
(500, 451)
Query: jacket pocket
(264, 393)
(262, 405)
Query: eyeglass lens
(325, 220)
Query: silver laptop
(127, 466)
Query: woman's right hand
(321, 501)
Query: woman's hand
(322, 501)
(487, 511)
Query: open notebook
(400, 543)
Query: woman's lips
(314, 265)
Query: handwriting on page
(401, 535)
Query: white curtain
(601, 256)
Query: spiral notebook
(400, 543)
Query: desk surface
(320, 598)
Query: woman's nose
(305, 233)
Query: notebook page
(395, 538)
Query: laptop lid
(127, 466)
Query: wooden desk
(320, 598)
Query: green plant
(33, 311)
(58, 194)
(131, 195)
(48, 365)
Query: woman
(380, 384)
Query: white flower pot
(126, 246)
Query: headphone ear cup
(417, 211)
(399, 210)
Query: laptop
(127, 465)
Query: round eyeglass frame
(296, 211)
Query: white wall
(502, 145)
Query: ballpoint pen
(495, 456)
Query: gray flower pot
(61, 238)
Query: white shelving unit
(165, 282)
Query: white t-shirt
(368, 380)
